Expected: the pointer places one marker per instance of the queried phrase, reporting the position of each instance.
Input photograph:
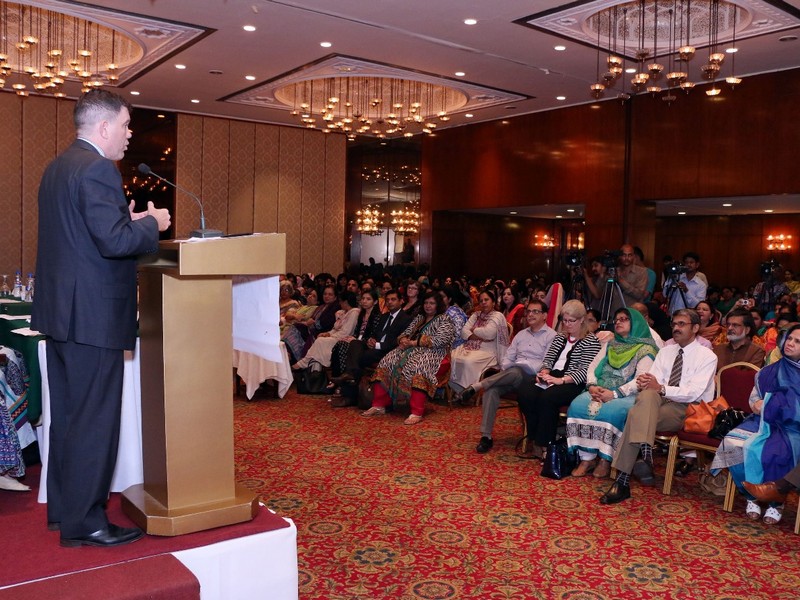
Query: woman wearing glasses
(596, 418)
(562, 377)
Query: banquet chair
(734, 382)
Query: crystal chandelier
(374, 106)
(369, 220)
(663, 37)
(405, 221)
(40, 49)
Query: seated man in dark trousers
(682, 373)
(363, 354)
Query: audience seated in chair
(561, 378)
(301, 334)
(766, 446)
(513, 310)
(596, 418)
(682, 373)
(343, 327)
(368, 318)
(408, 373)
(522, 362)
(486, 335)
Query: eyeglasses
(569, 321)
(621, 320)
(534, 311)
(680, 323)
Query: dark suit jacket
(399, 325)
(86, 262)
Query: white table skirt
(255, 370)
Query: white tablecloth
(255, 370)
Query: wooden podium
(185, 323)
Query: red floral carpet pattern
(385, 510)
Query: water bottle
(29, 289)
(17, 291)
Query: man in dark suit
(86, 305)
(364, 354)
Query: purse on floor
(311, 380)
(700, 417)
(558, 461)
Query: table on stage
(255, 370)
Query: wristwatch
(662, 391)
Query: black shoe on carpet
(467, 395)
(484, 445)
(684, 468)
(615, 494)
(643, 471)
(112, 535)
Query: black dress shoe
(615, 494)
(53, 526)
(684, 468)
(112, 535)
(343, 378)
(484, 445)
(467, 395)
(643, 471)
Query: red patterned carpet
(390, 511)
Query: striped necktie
(677, 367)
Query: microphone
(198, 233)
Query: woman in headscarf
(486, 335)
(596, 418)
(766, 446)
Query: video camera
(766, 268)
(609, 258)
(574, 258)
(674, 269)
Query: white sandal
(753, 510)
(773, 515)
(412, 420)
(374, 411)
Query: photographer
(771, 287)
(688, 282)
(632, 278)
(595, 278)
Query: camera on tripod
(766, 268)
(675, 269)
(609, 258)
(574, 258)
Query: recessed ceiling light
(561, 97)
(559, 216)
(325, 44)
(249, 27)
(513, 212)
(559, 48)
(731, 50)
(250, 77)
(161, 116)
(469, 115)
(630, 70)
(460, 73)
(180, 67)
(570, 210)
(470, 21)
(215, 72)
(505, 122)
(787, 38)
(134, 93)
(727, 204)
(195, 101)
(681, 212)
(768, 210)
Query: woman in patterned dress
(408, 373)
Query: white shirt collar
(93, 145)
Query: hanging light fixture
(405, 221)
(369, 220)
(664, 32)
(40, 49)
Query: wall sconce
(544, 241)
(779, 242)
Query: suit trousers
(650, 413)
(360, 356)
(494, 387)
(541, 407)
(85, 405)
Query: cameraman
(632, 278)
(691, 282)
(595, 282)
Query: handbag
(558, 461)
(700, 417)
(725, 421)
(312, 380)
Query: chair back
(735, 382)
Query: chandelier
(40, 49)
(405, 221)
(374, 106)
(369, 220)
(662, 37)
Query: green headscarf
(618, 366)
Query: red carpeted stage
(237, 561)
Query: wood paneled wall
(251, 177)
(256, 177)
(617, 159)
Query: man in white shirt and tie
(681, 374)
(521, 363)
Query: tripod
(576, 284)
(766, 297)
(611, 293)
(673, 287)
